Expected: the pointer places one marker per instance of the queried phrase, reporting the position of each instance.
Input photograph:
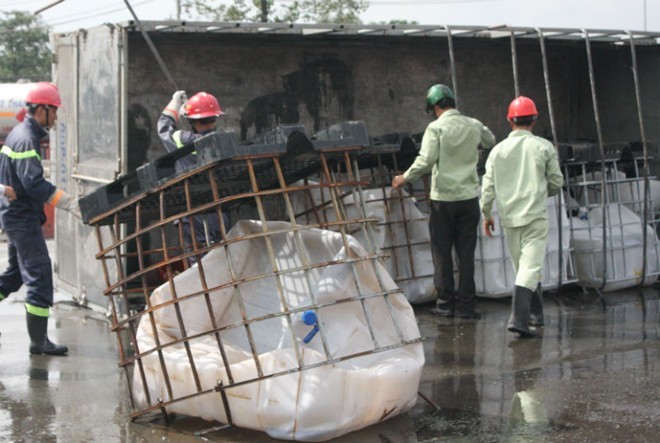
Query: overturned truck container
(318, 120)
(590, 85)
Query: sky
(637, 15)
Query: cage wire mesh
(263, 301)
(613, 206)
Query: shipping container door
(87, 71)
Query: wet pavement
(592, 376)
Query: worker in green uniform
(449, 152)
(522, 171)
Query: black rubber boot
(520, 304)
(536, 308)
(443, 309)
(39, 344)
(445, 304)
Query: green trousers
(527, 246)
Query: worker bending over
(202, 111)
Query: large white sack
(401, 231)
(308, 405)
(586, 189)
(624, 251)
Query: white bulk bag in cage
(401, 231)
(493, 272)
(409, 243)
(628, 191)
(624, 252)
(299, 395)
(586, 188)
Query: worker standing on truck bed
(29, 262)
(521, 172)
(449, 152)
(202, 111)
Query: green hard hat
(437, 93)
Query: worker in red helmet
(449, 152)
(522, 171)
(21, 169)
(202, 111)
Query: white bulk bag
(408, 243)
(314, 404)
(624, 252)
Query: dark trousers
(454, 225)
(198, 223)
(29, 264)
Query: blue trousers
(29, 264)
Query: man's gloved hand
(173, 107)
(63, 200)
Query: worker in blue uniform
(202, 111)
(21, 169)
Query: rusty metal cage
(614, 207)
(143, 249)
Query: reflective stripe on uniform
(176, 136)
(55, 197)
(9, 152)
(37, 310)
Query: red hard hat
(44, 93)
(522, 107)
(202, 105)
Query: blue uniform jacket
(20, 168)
(173, 138)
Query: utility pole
(178, 10)
(264, 11)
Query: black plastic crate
(107, 196)
(298, 156)
(342, 135)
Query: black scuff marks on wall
(323, 84)
(139, 135)
(268, 110)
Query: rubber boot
(445, 303)
(39, 344)
(443, 308)
(520, 304)
(536, 308)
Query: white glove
(63, 200)
(173, 107)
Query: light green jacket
(449, 152)
(521, 172)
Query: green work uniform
(522, 171)
(449, 152)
